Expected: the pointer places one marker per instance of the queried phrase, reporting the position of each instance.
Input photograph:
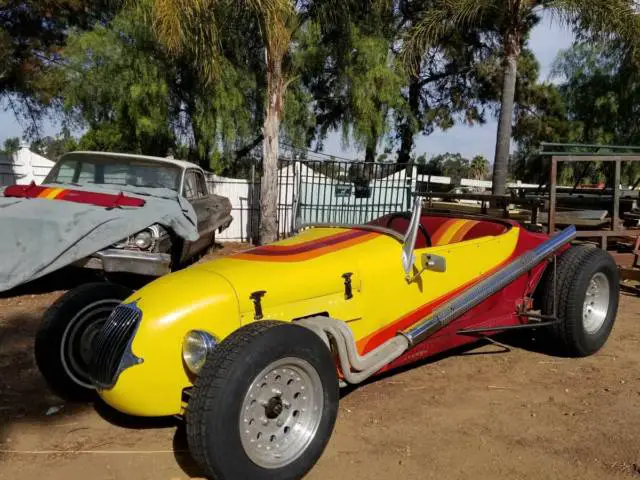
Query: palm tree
(479, 167)
(511, 20)
(196, 26)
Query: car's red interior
(443, 230)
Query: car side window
(190, 185)
(203, 191)
(66, 172)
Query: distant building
(23, 167)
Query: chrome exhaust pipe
(444, 315)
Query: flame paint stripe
(307, 250)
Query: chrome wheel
(281, 412)
(77, 341)
(596, 303)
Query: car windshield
(106, 170)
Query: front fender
(193, 299)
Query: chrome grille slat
(111, 344)
(106, 335)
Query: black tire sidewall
(50, 335)
(227, 457)
(586, 343)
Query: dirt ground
(484, 413)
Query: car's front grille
(111, 348)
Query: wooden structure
(571, 153)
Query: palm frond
(603, 19)
(437, 21)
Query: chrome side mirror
(408, 257)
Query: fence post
(414, 181)
(252, 201)
(297, 180)
(553, 182)
(616, 195)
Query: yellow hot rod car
(251, 349)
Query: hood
(315, 263)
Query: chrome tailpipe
(357, 368)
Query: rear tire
(63, 341)
(588, 288)
(264, 405)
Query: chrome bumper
(224, 224)
(142, 263)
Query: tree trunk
(271, 132)
(370, 153)
(505, 123)
(408, 129)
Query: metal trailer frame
(617, 155)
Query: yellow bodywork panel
(301, 276)
(171, 306)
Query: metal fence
(321, 191)
(341, 192)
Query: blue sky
(547, 39)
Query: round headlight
(143, 240)
(196, 345)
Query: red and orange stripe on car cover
(107, 200)
(307, 250)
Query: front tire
(264, 405)
(588, 289)
(64, 339)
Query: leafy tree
(351, 75)
(116, 90)
(510, 21)
(32, 32)
(595, 102)
(601, 90)
(451, 165)
(11, 145)
(53, 147)
(445, 81)
(195, 29)
(372, 90)
(121, 85)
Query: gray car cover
(39, 236)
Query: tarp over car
(39, 236)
